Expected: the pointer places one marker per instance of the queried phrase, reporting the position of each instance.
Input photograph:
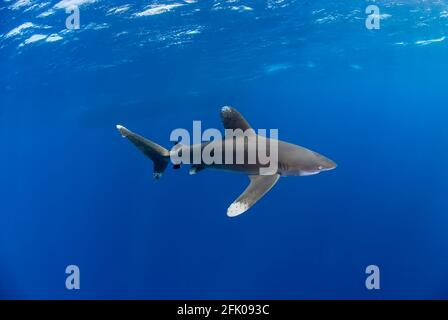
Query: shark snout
(325, 164)
(328, 164)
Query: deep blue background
(73, 192)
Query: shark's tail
(158, 154)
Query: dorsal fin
(232, 119)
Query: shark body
(293, 160)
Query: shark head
(304, 162)
(317, 164)
(322, 163)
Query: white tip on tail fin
(124, 132)
(158, 154)
(157, 175)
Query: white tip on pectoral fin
(257, 188)
(124, 132)
(237, 208)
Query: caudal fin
(158, 154)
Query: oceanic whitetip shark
(292, 160)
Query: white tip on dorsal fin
(232, 119)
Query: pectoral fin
(258, 187)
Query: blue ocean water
(74, 192)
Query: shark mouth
(308, 173)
